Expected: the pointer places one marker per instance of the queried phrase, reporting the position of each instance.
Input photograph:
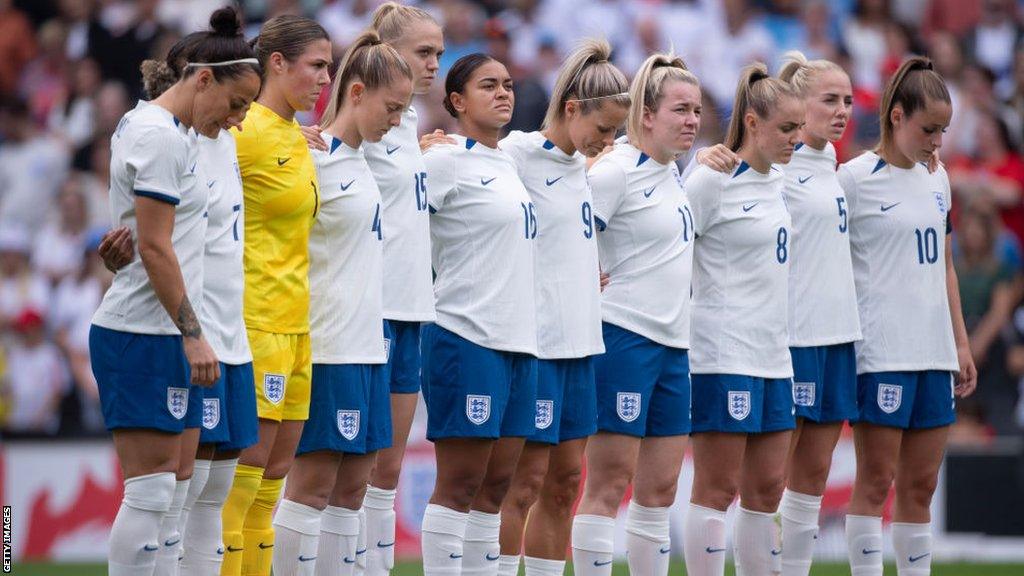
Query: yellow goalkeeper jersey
(281, 201)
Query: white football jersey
(346, 322)
(741, 269)
(898, 226)
(482, 227)
(645, 244)
(155, 156)
(822, 298)
(397, 165)
(568, 288)
(223, 276)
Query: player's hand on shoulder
(719, 158)
(434, 138)
(934, 163)
(116, 248)
(313, 138)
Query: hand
(436, 137)
(313, 138)
(934, 162)
(605, 280)
(719, 158)
(202, 361)
(117, 249)
(967, 378)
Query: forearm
(955, 311)
(161, 264)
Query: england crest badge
(890, 396)
(739, 404)
(627, 406)
(211, 413)
(177, 402)
(478, 408)
(545, 414)
(803, 393)
(273, 387)
(348, 423)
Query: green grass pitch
(677, 569)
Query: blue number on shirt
(781, 251)
(687, 222)
(842, 213)
(376, 224)
(421, 190)
(529, 221)
(927, 246)
(588, 221)
(237, 208)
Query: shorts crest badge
(890, 396)
(545, 414)
(177, 402)
(803, 393)
(628, 405)
(273, 387)
(478, 408)
(739, 405)
(348, 423)
(211, 413)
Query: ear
(750, 121)
(647, 120)
(356, 91)
(204, 79)
(458, 102)
(896, 115)
(572, 107)
(277, 62)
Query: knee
(457, 491)
(524, 492)
(385, 474)
(718, 493)
(917, 491)
(492, 493)
(766, 493)
(608, 487)
(811, 476)
(873, 484)
(560, 491)
(659, 493)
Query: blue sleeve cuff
(159, 196)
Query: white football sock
(379, 505)
(361, 545)
(542, 567)
(339, 535)
(200, 474)
(480, 549)
(508, 565)
(647, 540)
(441, 537)
(754, 541)
(203, 535)
(296, 538)
(704, 541)
(799, 531)
(864, 545)
(593, 544)
(170, 537)
(134, 536)
(913, 546)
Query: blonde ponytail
(587, 76)
(368, 60)
(647, 89)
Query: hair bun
(224, 22)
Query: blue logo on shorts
(478, 408)
(211, 413)
(803, 393)
(739, 404)
(348, 423)
(177, 402)
(890, 396)
(273, 387)
(545, 414)
(627, 406)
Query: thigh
(461, 466)
(312, 477)
(352, 477)
(763, 472)
(566, 459)
(717, 459)
(611, 458)
(283, 452)
(142, 451)
(920, 457)
(657, 469)
(258, 454)
(625, 376)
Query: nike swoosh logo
(550, 182)
(865, 551)
(490, 559)
(776, 552)
(916, 558)
(665, 550)
(265, 546)
(711, 550)
(647, 193)
(220, 551)
(283, 161)
(169, 542)
(347, 186)
(890, 206)
(391, 151)
(348, 560)
(211, 183)
(192, 170)
(382, 545)
(363, 551)
(599, 563)
(486, 182)
(233, 549)
(306, 558)
(749, 207)
(455, 556)
(150, 548)
(804, 180)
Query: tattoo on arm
(186, 320)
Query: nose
(936, 140)
(503, 92)
(433, 64)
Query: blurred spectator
(21, 288)
(42, 83)
(956, 17)
(35, 381)
(996, 37)
(345, 19)
(17, 45)
(121, 37)
(73, 116)
(463, 28)
(58, 246)
(531, 98)
(32, 166)
(736, 41)
(864, 37)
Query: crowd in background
(69, 69)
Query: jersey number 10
(927, 246)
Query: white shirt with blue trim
(822, 298)
(223, 274)
(397, 164)
(153, 155)
(741, 270)
(645, 242)
(346, 254)
(898, 226)
(482, 226)
(568, 289)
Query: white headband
(225, 63)
(619, 95)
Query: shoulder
(864, 165)
(704, 180)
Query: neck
(660, 155)
(558, 134)
(815, 142)
(344, 128)
(482, 134)
(752, 156)
(174, 101)
(892, 156)
(277, 103)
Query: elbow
(152, 250)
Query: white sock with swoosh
(913, 546)
(593, 543)
(480, 549)
(704, 541)
(339, 534)
(441, 537)
(647, 540)
(297, 532)
(864, 544)
(754, 542)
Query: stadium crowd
(69, 69)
